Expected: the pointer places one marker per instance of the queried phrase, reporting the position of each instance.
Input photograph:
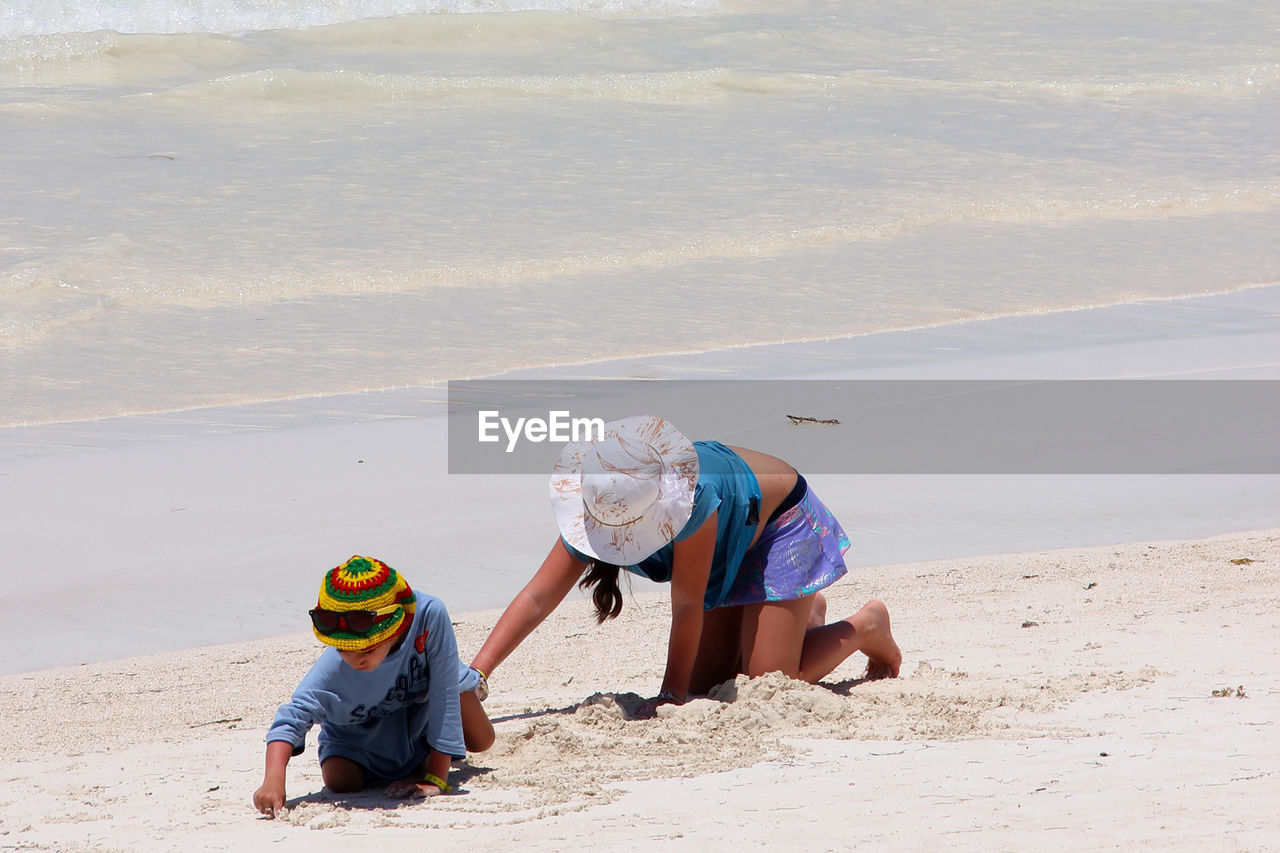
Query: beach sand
(1091, 698)
(1084, 697)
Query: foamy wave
(693, 86)
(37, 301)
(36, 306)
(46, 47)
(107, 57)
(1029, 210)
(50, 17)
(1229, 80)
(321, 87)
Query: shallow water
(230, 202)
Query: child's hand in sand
(269, 799)
(408, 789)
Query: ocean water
(215, 202)
(210, 203)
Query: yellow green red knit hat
(363, 583)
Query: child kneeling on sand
(381, 712)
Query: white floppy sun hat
(622, 497)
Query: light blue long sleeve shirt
(385, 719)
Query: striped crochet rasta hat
(363, 583)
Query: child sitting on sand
(381, 713)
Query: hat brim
(627, 544)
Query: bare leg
(866, 631)
(477, 730)
(818, 617)
(719, 649)
(341, 775)
(773, 635)
(776, 637)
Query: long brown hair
(606, 595)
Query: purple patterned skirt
(798, 553)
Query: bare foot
(875, 640)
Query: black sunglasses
(352, 621)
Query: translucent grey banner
(892, 426)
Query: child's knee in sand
(342, 775)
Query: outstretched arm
(269, 799)
(544, 592)
(690, 569)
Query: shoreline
(1078, 694)
(1224, 334)
(208, 504)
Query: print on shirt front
(410, 687)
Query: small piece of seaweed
(1230, 691)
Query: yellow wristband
(482, 686)
(445, 787)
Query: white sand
(166, 532)
(1063, 699)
